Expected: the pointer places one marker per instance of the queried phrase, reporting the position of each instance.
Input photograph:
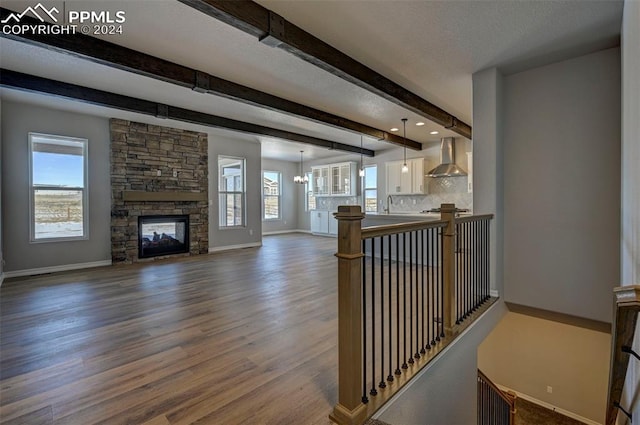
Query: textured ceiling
(430, 47)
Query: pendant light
(302, 178)
(405, 168)
(361, 172)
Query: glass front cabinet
(334, 179)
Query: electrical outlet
(250, 232)
(414, 201)
(549, 389)
(175, 173)
(159, 173)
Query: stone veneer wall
(138, 151)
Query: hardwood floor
(241, 337)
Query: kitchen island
(323, 222)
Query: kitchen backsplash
(330, 203)
(441, 190)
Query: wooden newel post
(349, 409)
(448, 213)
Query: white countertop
(404, 215)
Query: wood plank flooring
(241, 337)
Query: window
(370, 188)
(231, 191)
(271, 195)
(310, 199)
(58, 182)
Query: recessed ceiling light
(419, 123)
(394, 129)
(433, 132)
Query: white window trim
(85, 189)
(279, 196)
(308, 188)
(365, 188)
(243, 192)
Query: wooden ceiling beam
(31, 83)
(113, 55)
(272, 29)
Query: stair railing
(404, 292)
(624, 327)
(495, 407)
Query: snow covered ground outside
(62, 229)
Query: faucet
(389, 202)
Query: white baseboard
(494, 293)
(283, 232)
(54, 269)
(230, 247)
(550, 406)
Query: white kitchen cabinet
(416, 168)
(319, 221)
(335, 179)
(320, 178)
(341, 180)
(410, 183)
(398, 183)
(333, 225)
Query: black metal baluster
(467, 309)
(441, 298)
(364, 322)
(488, 272)
(472, 263)
(373, 390)
(416, 355)
(473, 272)
(434, 303)
(382, 383)
(458, 276)
(410, 297)
(476, 263)
(430, 266)
(390, 377)
(422, 263)
(404, 300)
(397, 371)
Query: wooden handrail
(470, 218)
(624, 326)
(509, 397)
(392, 229)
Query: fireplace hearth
(162, 235)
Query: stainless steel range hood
(447, 167)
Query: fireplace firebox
(162, 235)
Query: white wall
(291, 197)
(251, 234)
(1, 238)
(18, 120)
(527, 354)
(630, 232)
(561, 185)
(488, 167)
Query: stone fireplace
(157, 172)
